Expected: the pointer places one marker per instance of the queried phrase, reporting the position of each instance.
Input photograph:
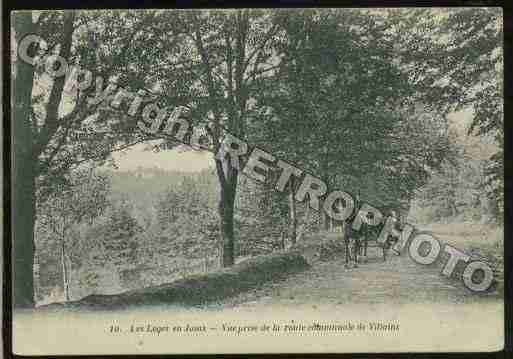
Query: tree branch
(52, 122)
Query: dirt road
(399, 280)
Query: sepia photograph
(213, 181)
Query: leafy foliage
(186, 215)
(457, 63)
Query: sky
(139, 156)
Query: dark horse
(357, 242)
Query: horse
(357, 242)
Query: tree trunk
(454, 209)
(302, 228)
(23, 167)
(326, 221)
(23, 220)
(292, 213)
(226, 212)
(65, 279)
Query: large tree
(456, 63)
(23, 174)
(55, 127)
(213, 63)
(343, 108)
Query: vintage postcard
(257, 181)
